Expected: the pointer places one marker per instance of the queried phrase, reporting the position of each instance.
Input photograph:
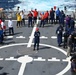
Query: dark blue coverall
(62, 17)
(72, 24)
(30, 15)
(1, 36)
(72, 27)
(52, 16)
(36, 39)
(73, 39)
(59, 35)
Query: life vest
(30, 15)
(19, 17)
(46, 15)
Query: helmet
(37, 29)
(43, 13)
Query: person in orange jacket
(42, 19)
(35, 14)
(46, 16)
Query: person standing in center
(36, 38)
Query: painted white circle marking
(56, 48)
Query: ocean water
(46, 4)
(38, 4)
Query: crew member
(35, 14)
(36, 38)
(57, 15)
(3, 26)
(46, 16)
(73, 64)
(65, 35)
(52, 16)
(42, 19)
(23, 18)
(30, 15)
(59, 32)
(71, 43)
(19, 20)
(1, 35)
(10, 26)
(73, 38)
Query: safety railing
(12, 14)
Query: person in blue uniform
(62, 17)
(72, 24)
(57, 15)
(36, 38)
(1, 35)
(59, 32)
(52, 15)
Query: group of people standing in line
(44, 17)
(68, 32)
(65, 30)
(21, 18)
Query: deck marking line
(39, 59)
(24, 60)
(53, 59)
(10, 59)
(1, 58)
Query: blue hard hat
(42, 12)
